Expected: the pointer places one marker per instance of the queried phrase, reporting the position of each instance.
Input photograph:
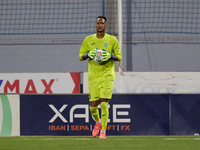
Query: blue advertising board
(185, 110)
(70, 115)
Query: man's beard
(100, 31)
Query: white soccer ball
(98, 57)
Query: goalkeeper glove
(91, 54)
(106, 55)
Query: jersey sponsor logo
(92, 43)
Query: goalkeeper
(100, 75)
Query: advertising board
(153, 82)
(70, 115)
(185, 118)
(9, 115)
(40, 83)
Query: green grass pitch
(91, 143)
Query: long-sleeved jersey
(105, 70)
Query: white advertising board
(39, 83)
(153, 82)
(9, 115)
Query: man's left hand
(106, 55)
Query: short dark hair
(102, 17)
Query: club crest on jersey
(105, 44)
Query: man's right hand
(91, 54)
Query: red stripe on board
(76, 78)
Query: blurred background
(46, 35)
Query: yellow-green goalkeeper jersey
(105, 70)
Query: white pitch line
(181, 139)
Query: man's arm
(115, 58)
(83, 50)
(117, 50)
(84, 57)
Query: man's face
(100, 25)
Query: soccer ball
(98, 57)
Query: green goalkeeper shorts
(101, 89)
